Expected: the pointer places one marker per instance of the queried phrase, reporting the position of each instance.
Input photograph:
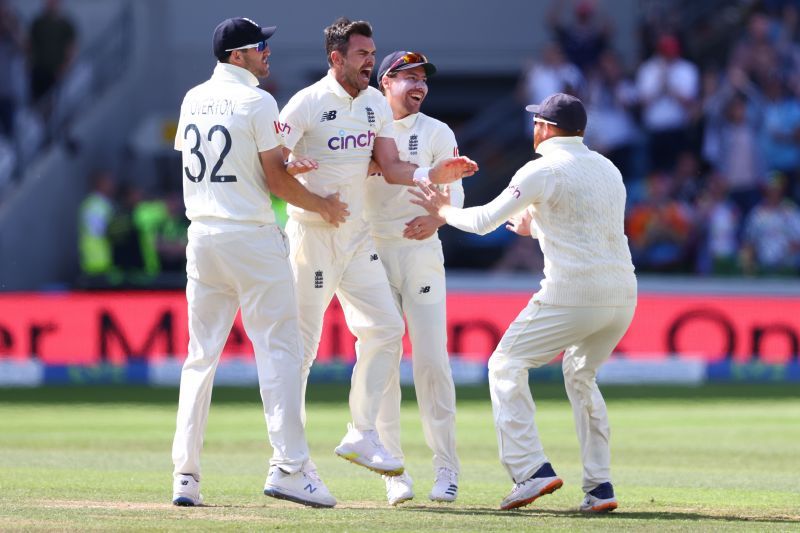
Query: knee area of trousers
(502, 367)
(388, 333)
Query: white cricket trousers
(343, 261)
(587, 335)
(416, 275)
(247, 268)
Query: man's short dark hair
(337, 35)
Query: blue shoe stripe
(546, 470)
(604, 491)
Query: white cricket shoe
(186, 491)
(445, 486)
(544, 481)
(600, 499)
(364, 448)
(303, 487)
(399, 489)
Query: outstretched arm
(399, 172)
(531, 184)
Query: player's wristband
(421, 176)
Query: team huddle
(369, 179)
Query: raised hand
(431, 199)
(452, 169)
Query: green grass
(711, 458)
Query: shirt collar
(408, 121)
(226, 71)
(336, 88)
(559, 143)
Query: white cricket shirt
(577, 200)
(421, 140)
(225, 122)
(325, 123)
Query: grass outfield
(712, 458)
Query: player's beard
(353, 77)
(256, 66)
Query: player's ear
(336, 57)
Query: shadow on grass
(338, 393)
(617, 515)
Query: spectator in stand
(584, 38)
(53, 43)
(94, 244)
(12, 46)
(732, 138)
(611, 99)
(756, 52)
(718, 226)
(552, 74)
(124, 236)
(668, 87)
(781, 132)
(172, 236)
(660, 229)
(771, 243)
(687, 180)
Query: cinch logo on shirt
(345, 142)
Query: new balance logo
(413, 144)
(425, 289)
(328, 115)
(318, 279)
(310, 488)
(370, 116)
(373, 257)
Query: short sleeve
(293, 120)
(444, 145)
(386, 119)
(266, 124)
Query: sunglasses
(545, 121)
(259, 46)
(408, 58)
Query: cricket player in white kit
(238, 257)
(573, 200)
(408, 243)
(342, 123)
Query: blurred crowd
(34, 63)
(705, 129)
(129, 239)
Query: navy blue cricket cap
(562, 110)
(238, 32)
(403, 60)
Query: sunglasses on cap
(259, 46)
(406, 59)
